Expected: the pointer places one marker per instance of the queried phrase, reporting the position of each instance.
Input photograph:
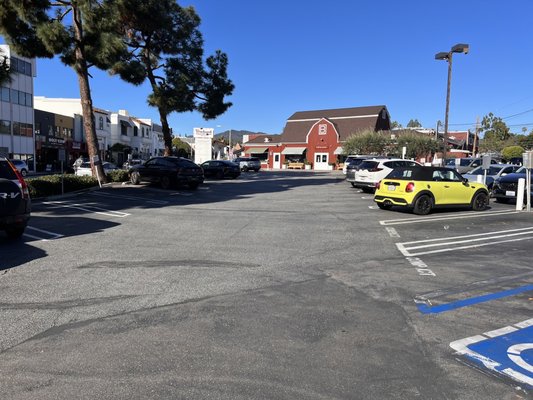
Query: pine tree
(81, 32)
(166, 48)
(4, 69)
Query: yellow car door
(454, 189)
(437, 187)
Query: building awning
(125, 123)
(294, 150)
(257, 150)
(338, 150)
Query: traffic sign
(506, 351)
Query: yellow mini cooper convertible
(424, 188)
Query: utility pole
(475, 138)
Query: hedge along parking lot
(50, 185)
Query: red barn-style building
(316, 137)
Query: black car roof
(420, 173)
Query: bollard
(520, 194)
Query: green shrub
(118, 175)
(512, 151)
(51, 185)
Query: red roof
(347, 121)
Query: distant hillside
(236, 136)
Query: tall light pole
(458, 48)
(439, 123)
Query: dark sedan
(505, 188)
(221, 169)
(167, 171)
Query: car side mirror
(465, 181)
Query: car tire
(15, 232)
(135, 178)
(24, 172)
(165, 182)
(368, 190)
(480, 201)
(423, 205)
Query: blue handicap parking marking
(507, 351)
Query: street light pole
(458, 48)
(230, 151)
(437, 137)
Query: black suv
(167, 171)
(248, 163)
(15, 202)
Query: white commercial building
(16, 109)
(72, 108)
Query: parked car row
(406, 184)
(366, 174)
(176, 171)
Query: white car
(85, 168)
(21, 166)
(351, 159)
(372, 171)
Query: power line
(509, 116)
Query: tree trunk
(166, 133)
(82, 72)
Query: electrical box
(527, 159)
(486, 161)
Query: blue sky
(295, 55)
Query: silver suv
(15, 203)
(248, 163)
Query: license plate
(510, 193)
(391, 188)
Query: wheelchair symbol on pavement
(507, 351)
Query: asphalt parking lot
(274, 285)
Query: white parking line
(109, 195)
(393, 233)
(460, 215)
(88, 208)
(410, 249)
(52, 234)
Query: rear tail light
(22, 183)
(410, 187)
(378, 185)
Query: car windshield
(521, 170)
(493, 170)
